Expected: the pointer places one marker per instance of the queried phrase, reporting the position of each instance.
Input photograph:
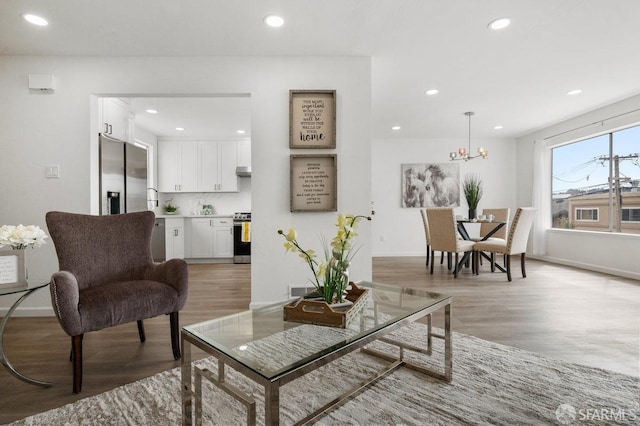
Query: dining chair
(499, 215)
(443, 234)
(425, 223)
(515, 243)
(107, 277)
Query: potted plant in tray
(170, 208)
(472, 188)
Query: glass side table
(27, 289)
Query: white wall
(61, 128)
(399, 231)
(598, 251)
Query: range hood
(243, 171)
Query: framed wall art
(312, 119)
(430, 185)
(314, 183)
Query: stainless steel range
(242, 237)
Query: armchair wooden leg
(524, 273)
(141, 331)
(76, 348)
(507, 263)
(175, 334)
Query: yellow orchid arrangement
(330, 277)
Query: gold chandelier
(465, 153)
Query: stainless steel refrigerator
(123, 177)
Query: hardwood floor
(564, 313)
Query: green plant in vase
(472, 189)
(331, 276)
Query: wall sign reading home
(314, 183)
(312, 119)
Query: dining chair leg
(493, 261)
(455, 267)
(432, 254)
(449, 260)
(428, 252)
(507, 264)
(524, 273)
(441, 257)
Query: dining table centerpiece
(472, 189)
(330, 276)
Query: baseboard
(587, 266)
(28, 312)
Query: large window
(596, 183)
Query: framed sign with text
(314, 183)
(12, 268)
(312, 119)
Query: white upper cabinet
(244, 153)
(197, 166)
(177, 166)
(115, 119)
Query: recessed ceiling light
(500, 23)
(35, 19)
(274, 20)
(180, 128)
(431, 92)
(395, 128)
(498, 127)
(152, 111)
(574, 92)
(240, 132)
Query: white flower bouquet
(20, 237)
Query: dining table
(499, 224)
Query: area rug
(492, 384)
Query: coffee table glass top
(261, 340)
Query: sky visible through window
(584, 165)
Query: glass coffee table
(272, 352)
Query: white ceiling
(517, 77)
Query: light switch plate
(52, 171)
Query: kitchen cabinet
(218, 162)
(244, 154)
(177, 166)
(174, 238)
(115, 119)
(197, 166)
(211, 237)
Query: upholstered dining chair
(516, 242)
(443, 235)
(107, 277)
(499, 215)
(425, 223)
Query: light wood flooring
(561, 312)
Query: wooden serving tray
(320, 313)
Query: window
(630, 215)
(596, 183)
(587, 214)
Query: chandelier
(465, 153)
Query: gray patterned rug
(492, 384)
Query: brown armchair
(107, 277)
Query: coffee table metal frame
(192, 393)
(26, 288)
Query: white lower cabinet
(174, 238)
(211, 237)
